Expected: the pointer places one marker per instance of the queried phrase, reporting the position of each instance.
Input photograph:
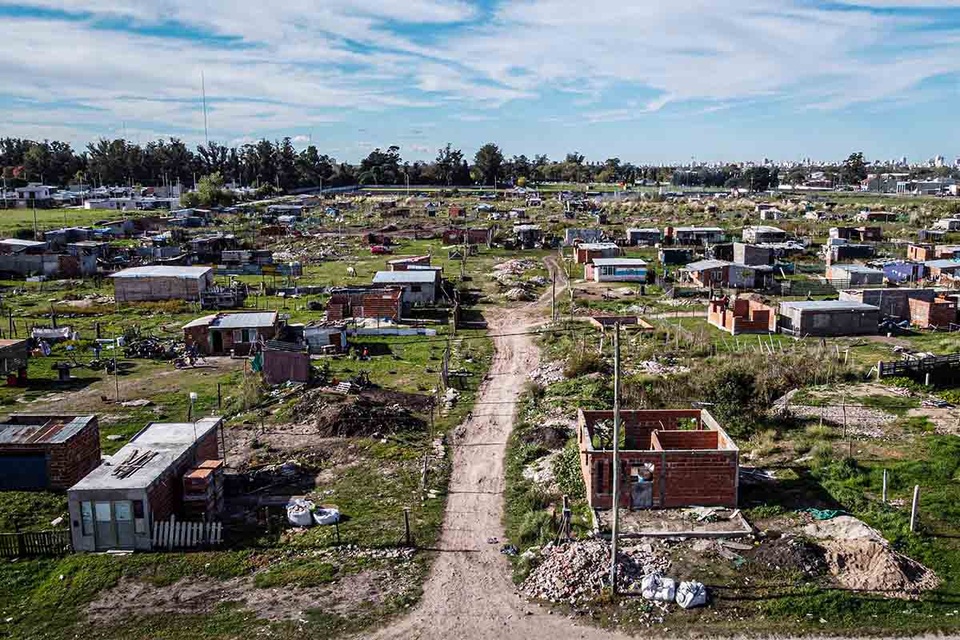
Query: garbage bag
(300, 512)
(655, 587)
(691, 594)
(326, 516)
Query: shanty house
(419, 286)
(761, 234)
(46, 451)
(939, 313)
(854, 275)
(573, 236)
(720, 273)
(937, 268)
(161, 282)
(616, 270)
(752, 254)
(828, 318)
(365, 302)
(695, 235)
(670, 458)
(648, 237)
(116, 504)
(14, 357)
(891, 302)
(528, 235)
(223, 333)
(742, 315)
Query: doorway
(216, 342)
(641, 487)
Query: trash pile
(860, 558)
(790, 553)
(657, 368)
(152, 348)
(350, 416)
(577, 572)
(547, 373)
(516, 294)
(508, 276)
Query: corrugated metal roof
(856, 268)
(828, 305)
(163, 271)
(942, 264)
(701, 265)
(250, 320)
(597, 246)
(54, 431)
(619, 262)
(416, 276)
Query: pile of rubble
(864, 422)
(576, 572)
(547, 373)
(657, 368)
(352, 416)
(518, 294)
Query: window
(139, 520)
(415, 288)
(102, 509)
(86, 517)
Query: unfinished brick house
(670, 458)
(742, 315)
(47, 451)
(372, 302)
(938, 313)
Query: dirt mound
(860, 558)
(353, 416)
(790, 554)
(547, 436)
(416, 402)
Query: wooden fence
(171, 534)
(914, 366)
(35, 543)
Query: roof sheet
(700, 265)
(855, 268)
(415, 276)
(57, 429)
(619, 262)
(828, 305)
(942, 264)
(163, 271)
(241, 320)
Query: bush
(566, 471)
(583, 363)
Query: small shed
(589, 251)
(285, 362)
(419, 286)
(854, 275)
(616, 270)
(647, 237)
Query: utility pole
(616, 459)
(553, 300)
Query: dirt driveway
(469, 593)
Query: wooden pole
(406, 524)
(884, 486)
(616, 459)
(913, 508)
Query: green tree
(448, 164)
(854, 169)
(489, 161)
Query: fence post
(21, 543)
(913, 509)
(406, 524)
(884, 486)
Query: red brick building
(223, 333)
(670, 458)
(373, 302)
(744, 315)
(939, 313)
(47, 452)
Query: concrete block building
(671, 458)
(157, 283)
(828, 318)
(742, 315)
(115, 506)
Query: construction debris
(576, 572)
(547, 373)
(350, 416)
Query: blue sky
(644, 81)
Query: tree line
(281, 165)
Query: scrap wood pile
(577, 572)
(153, 348)
(348, 416)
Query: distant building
(419, 286)
(156, 283)
(572, 236)
(643, 237)
(854, 275)
(742, 315)
(752, 254)
(616, 270)
(828, 318)
(695, 236)
(762, 234)
(226, 333)
(586, 252)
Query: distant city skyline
(651, 84)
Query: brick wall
(165, 495)
(69, 462)
(691, 440)
(939, 313)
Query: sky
(643, 80)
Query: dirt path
(469, 593)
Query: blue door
(23, 472)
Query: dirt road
(469, 593)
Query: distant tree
(488, 161)
(382, 166)
(211, 193)
(854, 169)
(448, 164)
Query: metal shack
(115, 506)
(47, 452)
(616, 270)
(828, 318)
(161, 282)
